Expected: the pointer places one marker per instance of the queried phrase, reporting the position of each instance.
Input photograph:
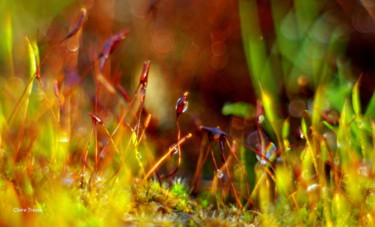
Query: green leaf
(305, 128)
(370, 110)
(286, 129)
(263, 71)
(241, 109)
(33, 56)
(356, 99)
(338, 89)
(318, 105)
(269, 107)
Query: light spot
(163, 41)
(219, 173)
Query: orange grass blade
(170, 150)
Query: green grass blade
(370, 110)
(356, 99)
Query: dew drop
(175, 151)
(143, 94)
(270, 149)
(270, 154)
(64, 140)
(67, 179)
(361, 125)
(99, 179)
(104, 152)
(261, 119)
(312, 187)
(182, 104)
(363, 170)
(219, 173)
(137, 180)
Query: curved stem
(179, 153)
(243, 172)
(170, 150)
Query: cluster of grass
(325, 177)
(75, 151)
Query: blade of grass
(33, 69)
(161, 160)
(356, 98)
(370, 110)
(255, 49)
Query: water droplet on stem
(182, 104)
(175, 151)
(219, 173)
